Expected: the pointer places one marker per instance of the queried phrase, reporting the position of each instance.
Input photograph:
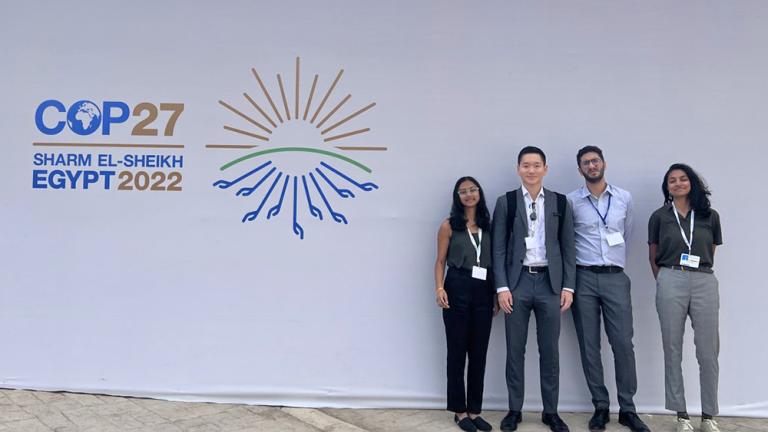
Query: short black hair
(588, 149)
(531, 150)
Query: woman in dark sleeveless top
(467, 297)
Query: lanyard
(682, 232)
(602, 218)
(476, 245)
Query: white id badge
(689, 260)
(530, 243)
(614, 238)
(479, 272)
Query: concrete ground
(32, 411)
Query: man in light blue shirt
(602, 216)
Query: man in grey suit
(602, 216)
(534, 268)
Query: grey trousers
(534, 293)
(609, 294)
(680, 294)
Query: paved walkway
(32, 411)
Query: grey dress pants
(609, 295)
(680, 294)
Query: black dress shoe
(465, 424)
(555, 423)
(599, 419)
(510, 421)
(632, 421)
(481, 424)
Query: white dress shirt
(536, 256)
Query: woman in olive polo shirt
(467, 297)
(682, 236)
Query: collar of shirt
(671, 208)
(586, 193)
(527, 194)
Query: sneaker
(709, 425)
(684, 425)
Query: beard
(596, 179)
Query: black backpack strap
(562, 201)
(511, 211)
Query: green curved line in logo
(296, 149)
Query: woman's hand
(442, 298)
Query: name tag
(530, 243)
(614, 238)
(479, 272)
(689, 260)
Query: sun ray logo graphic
(310, 188)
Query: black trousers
(467, 330)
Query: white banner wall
(166, 166)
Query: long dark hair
(482, 215)
(698, 197)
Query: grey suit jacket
(508, 256)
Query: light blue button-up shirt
(591, 245)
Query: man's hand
(566, 299)
(505, 301)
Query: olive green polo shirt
(664, 231)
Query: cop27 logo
(300, 162)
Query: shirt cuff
(570, 290)
(502, 289)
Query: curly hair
(699, 194)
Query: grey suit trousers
(680, 294)
(609, 294)
(533, 293)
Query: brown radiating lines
(344, 135)
(230, 146)
(285, 101)
(348, 118)
(253, 102)
(362, 148)
(66, 144)
(234, 110)
(309, 101)
(266, 93)
(333, 111)
(296, 112)
(246, 133)
(328, 93)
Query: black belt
(691, 269)
(601, 269)
(534, 269)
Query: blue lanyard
(602, 218)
